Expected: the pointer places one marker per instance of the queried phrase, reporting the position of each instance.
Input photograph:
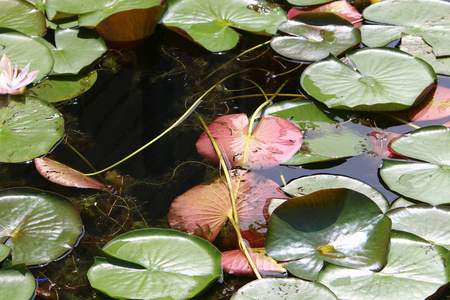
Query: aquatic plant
(14, 80)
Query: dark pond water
(147, 91)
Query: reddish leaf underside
(341, 8)
(436, 106)
(235, 262)
(204, 209)
(380, 141)
(61, 174)
(273, 141)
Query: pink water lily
(13, 81)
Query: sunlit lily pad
(155, 264)
(415, 269)
(22, 16)
(60, 88)
(371, 79)
(52, 7)
(235, 262)
(400, 202)
(61, 174)
(22, 49)
(209, 22)
(283, 288)
(204, 209)
(273, 141)
(4, 252)
(338, 226)
(28, 129)
(16, 282)
(38, 226)
(313, 36)
(432, 223)
(76, 49)
(309, 184)
(425, 18)
(426, 181)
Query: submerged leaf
(273, 141)
(61, 174)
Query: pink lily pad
(437, 106)
(235, 262)
(204, 209)
(341, 8)
(380, 141)
(273, 141)
(61, 174)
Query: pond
(140, 93)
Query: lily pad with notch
(17, 282)
(38, 226)
(314, 35)
(209, 22)
(369, 79)
(155, 264)
(337, 226)
(415, 269)
(428, 180)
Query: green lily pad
(415, 269)
(16, 282)
(209, 22)
(400, 202)
(309, 184)
(76, 49)
(4, 252)
(38, 226)
(91, 19)
(28, 129)
(416, 46)
(432, 223)
(425, 18)
(283, 288)
(60, 88)
(426, 181)
(22, 16)
(22, 49)
(156, 264)
(313, 36)
(52, 7)
(371, 79)
(338, 226)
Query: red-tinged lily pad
(437, 106)
(235, 262)
(273, 141)
(380, 140)
(204, 210)
(61, 174)
(342, 8)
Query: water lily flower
(13, 81)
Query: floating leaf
(380, 141)
(4, 252)
(415, 269)
(76, 49)
(283, 288)
(425, 18)
(60, 88)
(436, 106)
(307, 2)
(155, 264)
(339, 226)
(426, 181)
(273, 141)
(28, 129)
(61, 174)
(22, 16)
(400, 202)
(341, 8)
(52, 7)
(204, 209)
(209, 22)
(38, 226)
(309, 184)
(235, 262)
(16, 283)
(376, 79)
(313, 36)
(432, 223)
(22, 49)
